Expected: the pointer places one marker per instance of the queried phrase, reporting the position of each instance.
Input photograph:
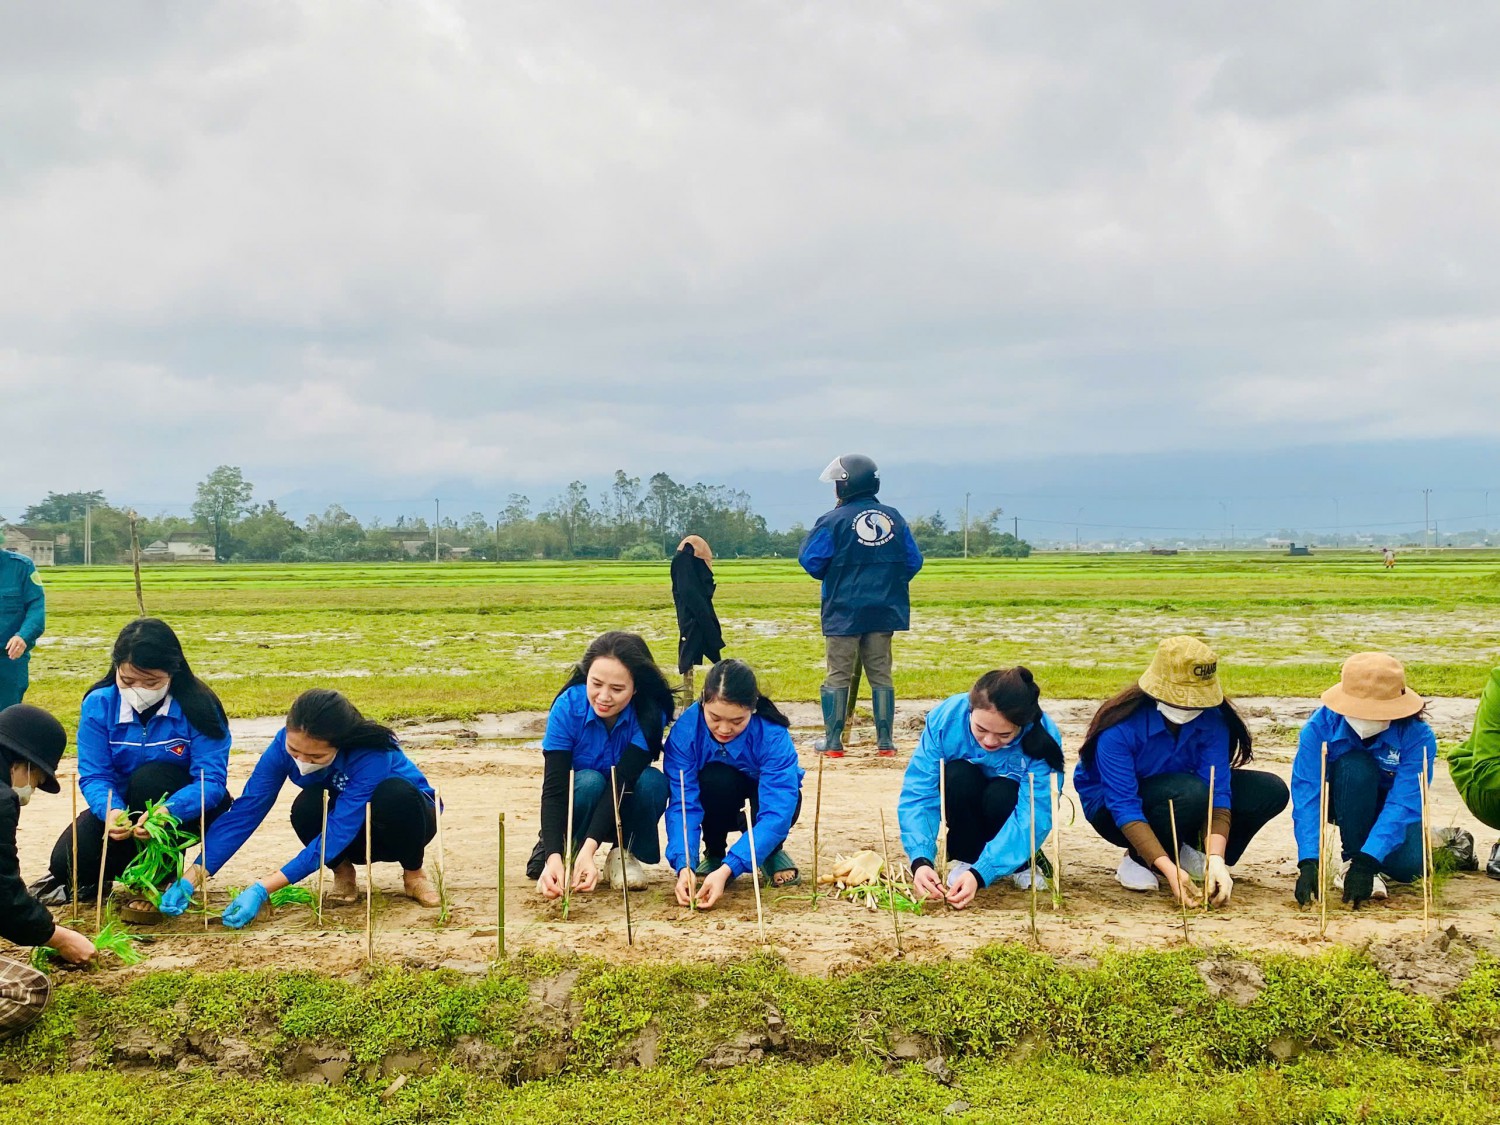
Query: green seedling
(113, 939)
(293, 896)
(158, 860)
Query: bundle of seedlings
(862, 878)
(113, 939)
(157, 863)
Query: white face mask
(24, 792)
(305, 768)
(142, 699)
(1177, 714)
(1368, 728)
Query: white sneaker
(1191, 860)
(634, 874)
(1377, 888)
(1338, 880)
(1022, 879)
(1135, 877)
(956, 871)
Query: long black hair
(1113, 712)
(328, 716)
(653, 701)
(150, 644)
(734, 682)
(1014, 693)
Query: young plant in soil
(158, 860)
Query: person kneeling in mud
(604, 729)
(996, 749)
(1372, 724)
(730, 747)
(327, 746)
(1146, 762)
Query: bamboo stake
(891, 880)
(614, 790)
(500, 865)
(1056, 841)
(687, 852)
(109, 812)
(369, 890)
(942, 837)
(322, 855)
(1208, 823)
(75, 848)
(1323, 843)
(760, 913)
(203, 840)
(1181, 874)
(817, 818)
(1031, 793)
(1426, 849)
(442, 858)
(568, 853)
(135, 554)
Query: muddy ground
(494, 765)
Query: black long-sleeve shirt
(23, 919)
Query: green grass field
(454, 640)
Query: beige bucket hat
(1372, 685)
(1184, 673)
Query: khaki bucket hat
(1372, 685)
(1184, 673)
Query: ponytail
(1014, 693)
(734, 682)
(328, 716)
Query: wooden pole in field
(1181, 874)
(687, 853)
(614, 790)
(942, 836)
(760, 914)
(1056, 840)
(135, 555)
(1031, 795)
(500, 864)
(817, 818)
(322, 855)
(1323, 843)
(442, 863)
(1208, 824)
(1426, 849)
(109, 812)
(854, 686)
(890, 876)
(369, 889)
(568, 853)
(203, 840)
(75, 848)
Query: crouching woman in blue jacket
(730, 747)
(996, 750)
(326, 746)
(1378, 747)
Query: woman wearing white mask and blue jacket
(997, 751)
(1148, 755)
(1377, 743)
(326, 746)
(149, 730)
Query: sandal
(778, 863)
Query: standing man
(23, 617)
(865, 556)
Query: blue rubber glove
(246, 906)
(177, 897)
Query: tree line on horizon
(628, 520)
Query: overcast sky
(369, 246)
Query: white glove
(1217, 884)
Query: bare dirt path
(493, 765)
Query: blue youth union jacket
(865, 556)
(1144, 746)
(574, 726)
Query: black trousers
(1256, 798)
(402, 820)
(978, 807)
(723, 791)
(151, 782)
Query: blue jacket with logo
(23, 607)
(865, 556)
(351, 778)
(1144, 746)
(1397, 750)
(947, 737)
(113, 744)
(574, 726)
(762, 752)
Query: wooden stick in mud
(614, 790)
(1208, 823)
(203, 840)
(75, 848)
(942, 836)
(369, 890)
(1323, 843)
(687, 854)
(1031, 794)
(1052, 788)
(442, 857)
(109, 812)
(760, 914)
(817, 817)
(1426, 847)
(322, 855)
(1181, 874)
(500, 865)
(890, 875)
(135, 555)
(568, 852)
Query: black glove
(1359, 880)
(1307, 882)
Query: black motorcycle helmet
(853, 475)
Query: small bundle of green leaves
(158, 861)
(113, 938)
(290, 896)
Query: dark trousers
(978, 807)
(1354, 804)
(1256, 798)
(723, 791)
(402, 820)
(151, 782)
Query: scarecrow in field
(699, 636)
(603, 732)
(730, 747)
(327, 746)
(1377, 741)
(1146, 760)
(151, 733)
(864, 554)
(996, 750)
(31, 745)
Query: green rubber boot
(835, 711)
(883, 703)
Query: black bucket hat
(36, 737)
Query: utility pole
(437, 527)
(1337, 522)
(966, 525)
(88, 535)
(497, 538)
(1015, 533)
(1426, 519)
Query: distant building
(416, 548)
(32, 543)
(181, 547)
